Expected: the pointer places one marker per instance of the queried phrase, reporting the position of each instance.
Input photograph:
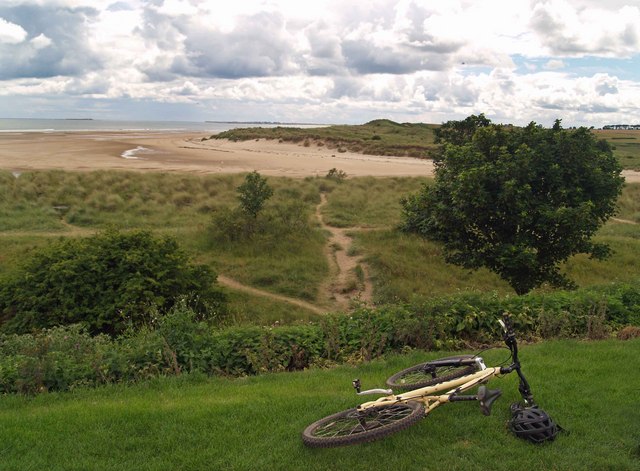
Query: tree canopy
(518, 201)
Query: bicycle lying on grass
(427, 386)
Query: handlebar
(509, 337)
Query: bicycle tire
(350, 426)
(417, 377)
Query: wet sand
(188, 152)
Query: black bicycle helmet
(533, 424)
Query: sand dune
(187, 152)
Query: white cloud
(565, 29)
(41, 41)
(329, 60)
(11, 33)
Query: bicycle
(425, 387)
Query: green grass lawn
(195, 423)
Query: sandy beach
(188, 152)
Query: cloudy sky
(322, 61)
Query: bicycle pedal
(486, 398)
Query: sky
(322, 61)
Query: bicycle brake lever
(503, 325)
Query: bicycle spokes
(361, 421)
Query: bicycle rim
(352, 426)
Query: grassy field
(194, 423)
(40, 206)
(626, 146)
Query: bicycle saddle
(486, 397)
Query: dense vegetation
(40, 205)
(538, 197)
(378, 137)
(107, 282)
(179, 342)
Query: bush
(253, 194)
(335, 174)
(286, 218)
(108, 283)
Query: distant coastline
(269, 123)
(91, 124)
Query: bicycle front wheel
(428, 374)
(353, 426)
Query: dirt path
(344, 285)
(349, 280)
(623, 221)
(236, 285)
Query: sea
(70, 125)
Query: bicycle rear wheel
(427, 374)
(352, 426)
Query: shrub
(253, 194)
(335, 174)
(288, 217)
(106, 282)
(629, 332)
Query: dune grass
(405, 266)
(385, 137)
(369, 202)
(247, 309)
(253, 423)
(378, 137)
(629, 203)
(40, 205)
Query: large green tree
(518, 201)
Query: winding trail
(344, 285)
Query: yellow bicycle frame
(429, 395)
